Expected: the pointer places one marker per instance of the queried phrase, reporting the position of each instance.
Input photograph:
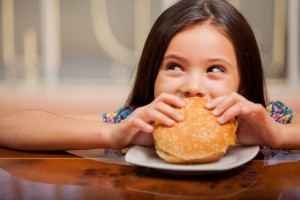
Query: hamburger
(198, 139)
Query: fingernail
(208, 105)
(182, 103)
(170, 122)
(149, 128)
(215, 112)
(221, 120)
(180, 117)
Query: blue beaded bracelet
(113, 118)
(118, 115)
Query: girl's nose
(193, 87)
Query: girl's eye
(174, 67)
(215, 69)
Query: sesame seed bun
(198, 139)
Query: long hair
(188, 13)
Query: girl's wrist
(289, 137)
(281, 136)
(116, 137)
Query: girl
(195, 48)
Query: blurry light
(9, 55)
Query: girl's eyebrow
(221, 60)
(177, 57)
(174, 56)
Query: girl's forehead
(205, 28)
(200, 39)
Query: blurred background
(80, 55)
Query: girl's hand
(136, 128)
(255, 126)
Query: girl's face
(199, 61)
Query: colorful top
(276, 109)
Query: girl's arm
(39, 130)
(292, 133)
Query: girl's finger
(156, 116)
(169, 111)
(228, 101)
(230, 113)
(255, 113)
(171, 100)
(214, 102)
(142, 126)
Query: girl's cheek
(216, 90)
(166, 85)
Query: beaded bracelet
(115, 152)
(118, 115)
(113, 118)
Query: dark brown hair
(185, 14)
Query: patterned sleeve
(280, 112)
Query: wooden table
(59, 175)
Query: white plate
(235, 157)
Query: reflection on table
(61, 175)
